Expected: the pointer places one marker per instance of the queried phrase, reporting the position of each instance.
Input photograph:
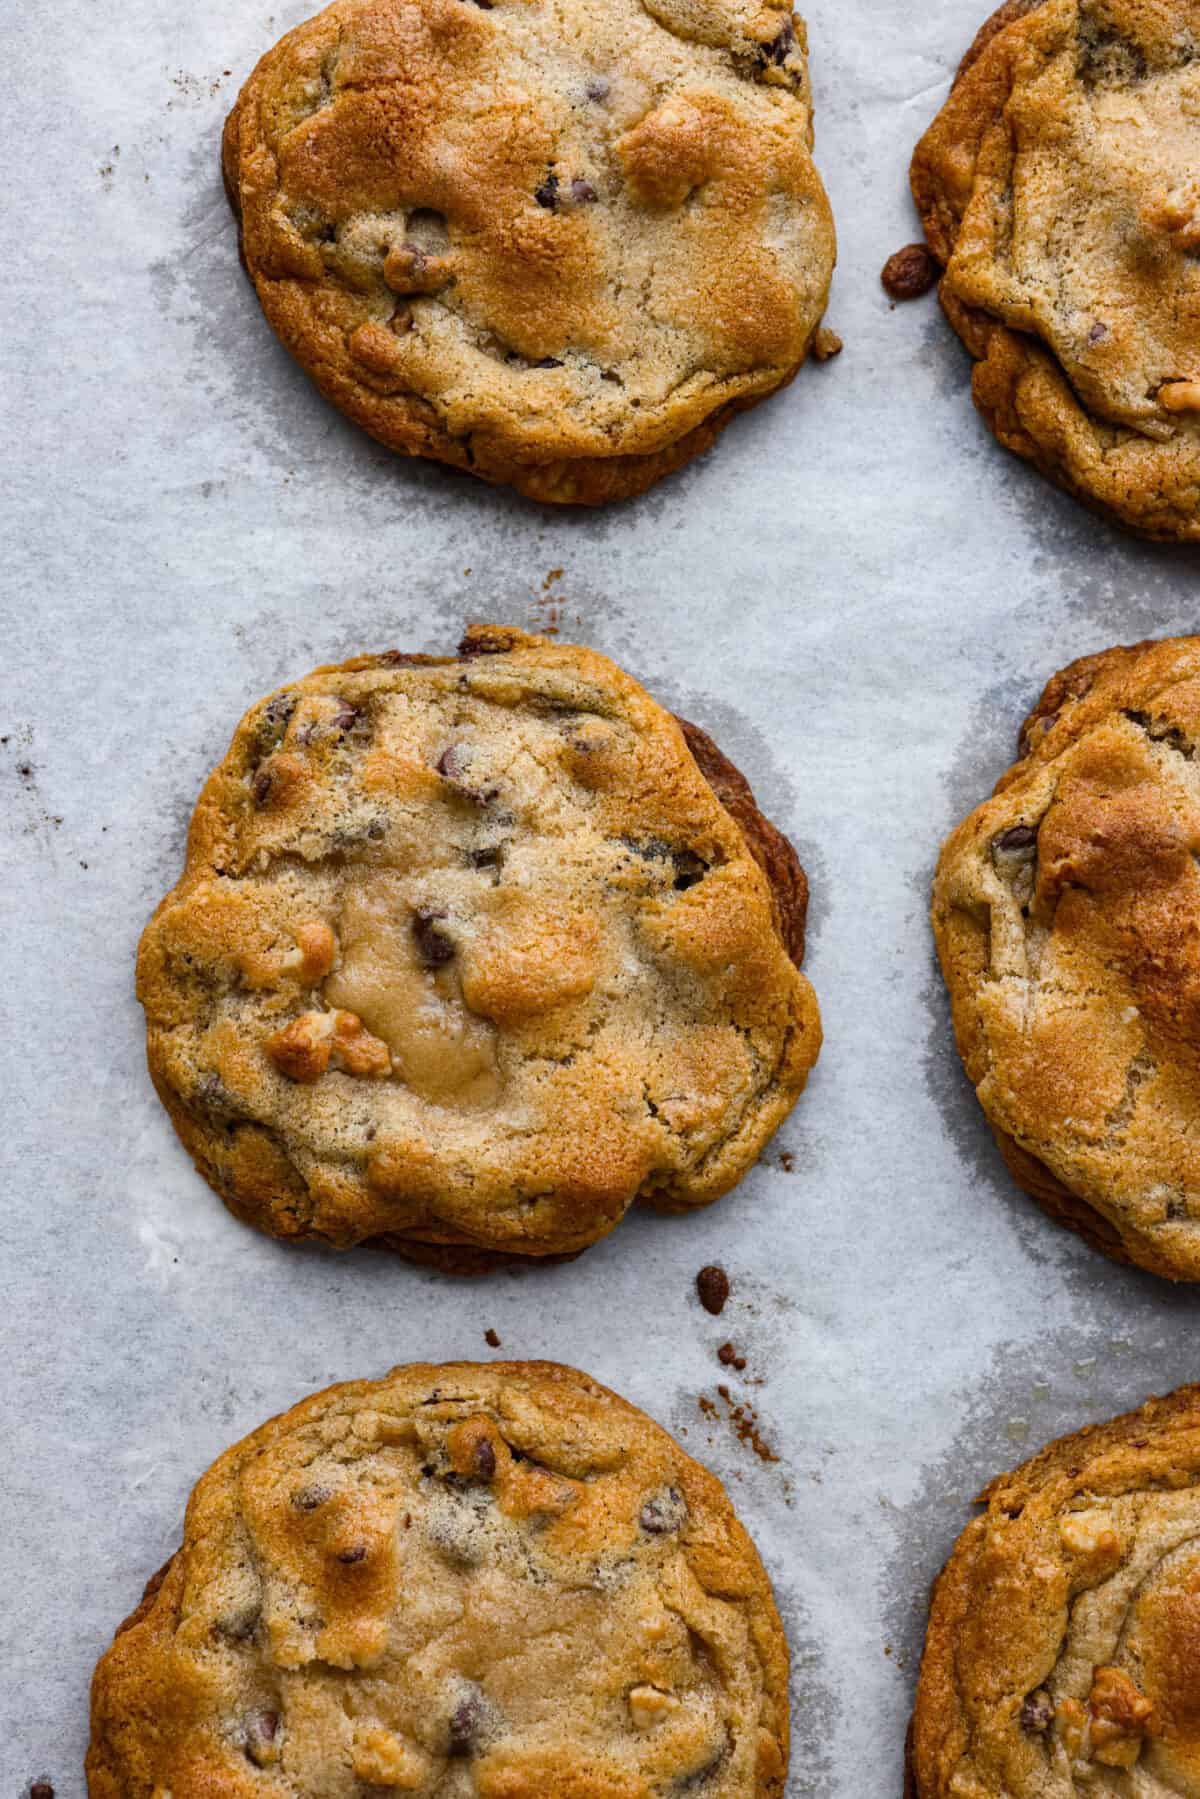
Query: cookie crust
(1057, 187)
(557, 247)
(1066, 913)
(1060, 1656)
(505, 1570)
(470, 953)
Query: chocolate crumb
(350, 1556)
(728, 1356)
(787, 1161)
(910, 273)
(41, 1789)
(485, 1459)
(712, 1284)
(491, 1339)
(1037, 1713)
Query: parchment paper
(858, 593)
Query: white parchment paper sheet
(858, 593)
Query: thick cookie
(471, 952)
(1066, 911)
(497, 1581)
(1059, 187)
(1062, 1655)
(558, 246)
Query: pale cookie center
(442, 1050)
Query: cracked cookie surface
(471, 952)
(555, 242)
(1066, 911)
(498, 1581)
(1062, 1655)
(1059, 188)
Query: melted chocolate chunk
(433, 946)
(663, 1512)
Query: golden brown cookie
(470, 953)
(1063, 1655)
(501, 1582)
(556, 245)
(1059, 186)
(1066, 911)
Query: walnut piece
(1180, 396)
(649, 1706)
(307, 1047)
(1122, 1717)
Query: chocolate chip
(1037, 1713)
(452, 763)
(549, 362)
(780, 47)
(712, 1284)
(663, 1512)
(307, 1499)
(1098, 331)
(274, 719)
(582, 192)
(485, 1459)
(547, 194)
(211, 1095)
(468, 1722)
(1018, 840)
(690, 869)
(358, 1553)
(910, 273)
(261, 786)
(598, 88)
(261, 1730)
(345, 718)
(41, 1789)
(377, 830)
(491, 1339)
(488, 857)
(433, 946)
(480, 642)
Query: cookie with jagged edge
(1062, 1654)
(1058, 186)
(1066, 911)
(500, 1581)
(557, 246)
(470, 953)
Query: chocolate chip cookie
(1062, 1654)
(558, 246)
(1059, 188)
(501, 1581)
(470, 952)
(1066, 911)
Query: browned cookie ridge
(558, 246)
(470, 953)
(485, 1582)
(1066, 911)
(1058, 186)
(1062, 1656)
